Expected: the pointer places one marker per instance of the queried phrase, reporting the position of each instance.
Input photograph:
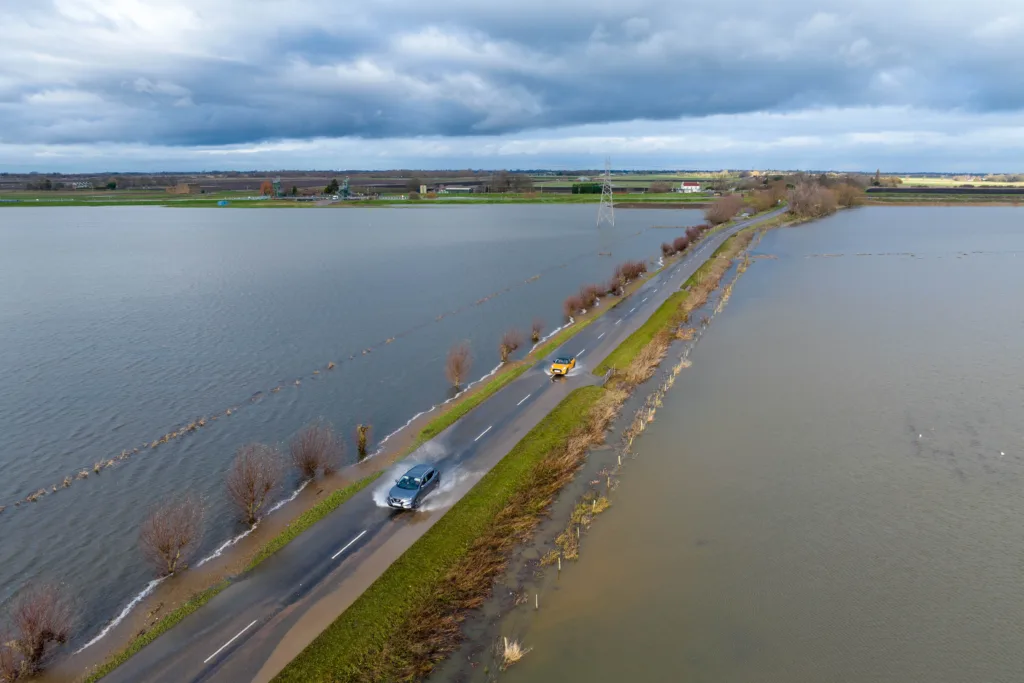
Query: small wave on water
(150, 587)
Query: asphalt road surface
(252, 629)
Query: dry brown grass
(433, 630)
(511, 653)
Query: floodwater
(834, 491)
(119, 325)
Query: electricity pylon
(606, 211)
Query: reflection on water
(834, 491)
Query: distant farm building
(455, 189)
(184, 188)
(689, 187)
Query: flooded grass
(409, 618)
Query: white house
(688, 186)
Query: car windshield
(408, 483)
(563, 361)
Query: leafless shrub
(667, 249)
(314, 449)
(572, 305)
(848, 194)
(810, 200)
(631, 270)
(170, 534)
(723, 209)
(660, 187)
(680, 243)
(592, 292)
(762, 200)
(363, 433)
(536, 329)
(614, 285)
(510, 341)
(457, 366)
(253, 476)
(588, 296)
(693, 233)
(41, 615)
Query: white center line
(347, 545)
(523, 399)
(618, 321)
(632, 309)
(229, 642)
(643, 300)
(601, 335)
(581, 353)
(482, 433)
(655, 291)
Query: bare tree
(572, 305)
(457, 365)
(510, 341)
(316, 449)
(848, 194)
(660, 187)
(42, 615)
(170, 534)
(253, 476)
(536, 329)
(723, 209)
(363, 432)
(810, 200)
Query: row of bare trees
(813, 200)
(681, 243)
(42, 615)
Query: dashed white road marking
(482, 433)
(643, 300)
(601, 335)
(581, 353)
(523, 399)
(233, 639)
(632, 309)
(348, 545)
(618, 321)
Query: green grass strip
(172, 618)
(310, 517)
(625, 352)
(365, 627)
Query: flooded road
(834, 491)
(119, 325)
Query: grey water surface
(121, 324)
(834, 491)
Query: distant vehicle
(563, 365)
(409, 491)
(334, 197)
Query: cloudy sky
(248, 84)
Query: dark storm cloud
(202, 73)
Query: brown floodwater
(834, 491)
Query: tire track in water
(183, 429)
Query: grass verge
(172, 618)
(409, 618)
(310, 517)
(676, 309)
(304, 521)
(493, 385)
